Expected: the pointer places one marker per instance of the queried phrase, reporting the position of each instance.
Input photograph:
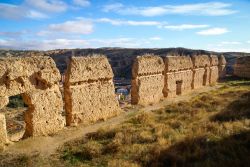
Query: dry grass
(212, 129)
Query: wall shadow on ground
(236, 110)
(231, 151)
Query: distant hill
(121, 59)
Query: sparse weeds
(212, 129)
(179, 135)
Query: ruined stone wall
(178, 75)
(36, 79)
(3, 132)
(201, 71)
(222, 66)
(89, 90)
(147, 80)
(214, 70)
(242, 67)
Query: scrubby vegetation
(212, 129)
(16, 102)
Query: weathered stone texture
(214, 70)
(44, 115)
(201, 71)
(178, 75)
(214, 74)
(19, 75)
(201, 61)
(3, 131)
(148, 80)
(178, 63)
(36, 79)
(3, 101)
(88, 69)
(242, 67)
(171, 87)
(200, 76)
(222, 66)
(89, 90)
(214, 61)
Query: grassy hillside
(211, 129)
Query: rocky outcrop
(36, 79)
(147, 80)
(242, 67)
(178, 75)
(89, 90)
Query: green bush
(16, 102)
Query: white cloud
(185, 26)
(48, 5)
(9, 11)
(113, 7)
(43, 44)
(82, 3)
(207, 9)
(69, 27)
(36, 15)
(213, 31)
(64, 43)
(128, 22)
(230, 43)
(156, 38)
(248, 41)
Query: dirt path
(46, 146)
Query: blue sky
(53, 24)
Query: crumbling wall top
(214, 61)
(88, 68)
(200, 61)
(222, 60)
(243, 61)
(18, 75)
(178, 63)
(147, 64)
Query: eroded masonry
(88, 91)
(36, 79)
(147, 80)
(242, 67)
(180, 75)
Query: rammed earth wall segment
(36, 79)
(178, 75)
(147, 80)
(222, 66)
(242, 67)
(214, 70)
(89, 90)
(201, 71)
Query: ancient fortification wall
(89, 90)
(36, 79)
(178, 75)
(147, 80)
(214, 69)
(89, 93)
(242, 67)
(222, 66)
(3, 132)
(201, 71)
